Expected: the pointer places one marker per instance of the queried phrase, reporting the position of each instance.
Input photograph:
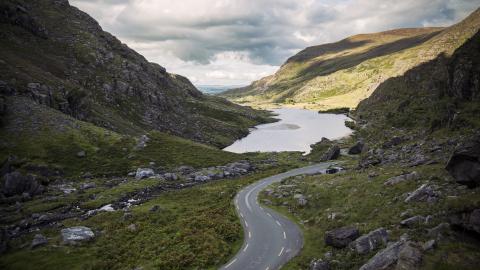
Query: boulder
(154, 208)
(301, 199)
(332, 153)
(464, 164)
(144, 173)
(371, 241)
(401, 178)
(16, 184)
(38, 240)
(341, 237)
(81, 154)
(385, 258)
(74, 235)
(142, 142)
(413, 221)
(84, 186)
(170, 176)
(319, 265)
(424, 193)
(132, 227)
(469, 221)
(438, 230)
(429, 245)
(201, 178)
(356, 148)
(392, 142)
(409, 257)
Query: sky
(233, 42)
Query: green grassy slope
(344, 73)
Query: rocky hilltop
(343, 73)
(58, 56)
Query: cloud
(195, 34)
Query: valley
(368, 157)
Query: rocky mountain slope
(60, 57)
(342, 74)
(408, 196)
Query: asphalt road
(271, 239)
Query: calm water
(296, 131)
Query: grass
(195, 228)
(367, 204)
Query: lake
(296, 131)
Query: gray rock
(81, 154)
(356, 149)
(132, 228)
(464, 164)
(410, 257)
(16, 184)
(429, 245)
(74, 235)
(332, 153)
(401, 178)
(201, 178)
(385, 258)
(154, 208)
(319, 265)
(170, 176)
(301, 199)
(413, 221)
(84, 186)
(38, 240)
(142, 142)
(424, 193)
(144, 173)
(371, 241)
(469, 221)
(341, 237)
(438, 230)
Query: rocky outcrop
(464, 164)
(385, 258)
(425, 193)
(341, 237)
(401, 178)
(469, 221)
(319, 265)
(332, 153)
(38, 240)
(144, 173)
(16, 183)
(75, 235)
(369, 242)
(357, 148)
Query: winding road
(271, 239)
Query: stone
(132, 228)
(469, 221)
(409, 257)
(301, 199)
(424, 193)
(464, 163)
(16, 183)
(142, 142)
(429, 245)
(438, 230)
(319, 265)
(74, 235)
(401, 178)
(201, 178)
(385, 258)
(144, 173)
(84, 186)
(81, 154)
(413, 221)
(332, 153)
(394, 141)
(170, 176)
(371, 241)
(38, 240)
(154, 208)
(126, 216)
(341, 237)
(356, 148)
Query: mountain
(59, 57)
(342, 74)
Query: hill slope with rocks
(60, 57)
(342, 74)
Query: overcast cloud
(231, 42)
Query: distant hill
(215, 89)
(342, 74)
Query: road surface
(271, 240)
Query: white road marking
(281, 251)
(284, 235)
(241, 215)
(246, 224)
(245, 248)
(268, 267)
(226, 266)
(278, 223)
(268, 214)
(249, 234)
(247, 202)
